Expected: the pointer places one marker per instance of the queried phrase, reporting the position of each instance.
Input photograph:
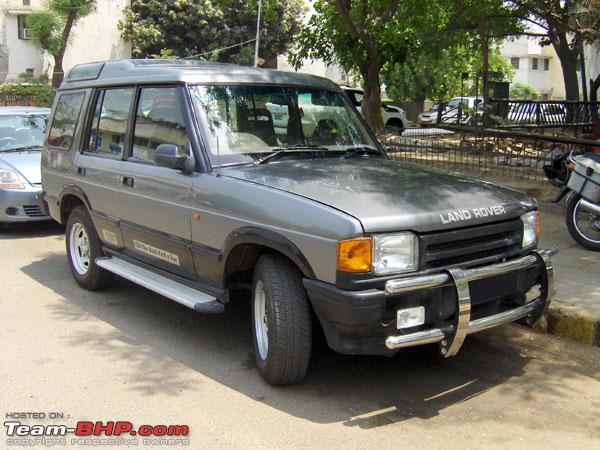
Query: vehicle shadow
(28, 230)
(151, 336)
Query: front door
(155, 208)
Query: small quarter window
(159, 120)
(109, 123)
(65, 119)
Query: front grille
(456, 247)
(33, 211)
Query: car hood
(386, 195)
(27, 164)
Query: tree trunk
(594, 87)
(58, 72)
(372, 102)
(568, 63)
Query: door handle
(128, 181)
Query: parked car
(429, 117)
(22, 132)
(394, 117)
(524, 112)
(461, 110)
(171, 174)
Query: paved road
(126, 353)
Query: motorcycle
(579, 177)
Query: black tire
(288, 320)
(572, 202)
(94, 277)
(394, 126)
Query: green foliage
(30, 78)
(198, 27)
(325, 36)
(51, 29)
(522, 91)
(41, 93)
(437, 76)
(45, 28)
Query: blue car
(22, 131)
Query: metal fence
(490, 156)
(570, 117)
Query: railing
(577, 117)
(500, 154)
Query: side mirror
(169, 155)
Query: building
(535, 65)
(592, 63)
(94, 38)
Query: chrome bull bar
(452, 337)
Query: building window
(514, 62)
(534, 63)
(26, 2)
(546, 64)
(24, 32)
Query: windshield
(248, 122)
(22, 131)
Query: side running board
(185, 295)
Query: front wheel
(83, 247)
(583, 225)
(281, 321)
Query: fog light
(12, 211)
(411, 317)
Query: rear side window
(65, 119)
(159, 120)
(109, 122)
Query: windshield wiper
(356, 151)
(282, 150)
(21, 149)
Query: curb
(571, 322)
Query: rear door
(100, 161)
(155, 208)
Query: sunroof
(89, 71)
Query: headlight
(10, 180)
(531, 228)
(395, 253)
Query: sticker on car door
(156, 252)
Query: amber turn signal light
(354, 255)
(538, 224)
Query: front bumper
(21, 205)
(352, 320)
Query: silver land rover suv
(172, 174)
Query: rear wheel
(394, 126)
(83, 247)
(281, 321)
(583, 225)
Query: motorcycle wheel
(584, 226)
